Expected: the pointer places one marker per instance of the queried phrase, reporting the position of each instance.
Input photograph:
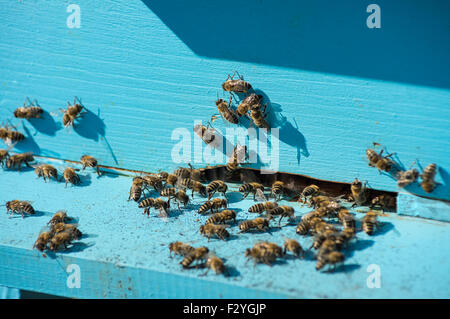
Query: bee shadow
(28, 144)
(383, 229)
(45, 124)
(231, 272)
(76, 247)
(358, 245)
(342, 268)
(25, 215)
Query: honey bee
(216, 186)
(346, 218)
(89, 161)
(59, 217)
(259, 117)
(70, 176)
(427, 176)
(237, 157)
(343, 237)
(19, 207)
(226, 111)
(294, 247)
(46, 171)
(213, 205)
(183, 172)
(319, 201)
(179, 195)
(238, 86)
(282, 211)
(319, 239)
(259, 223)
(216, 264)
(404, 178)
(359, 192)
(4, 154)
(321, 227)
(42, 240)
(195, 186)
(197, 174)
(10, 136)
(206, 133)
(370, 222)
(328, 245)
(328, 211)
(382, 163)
(154, 181)
(72, 113)
(61, 239)
(384, 201)
(252, 188)
(271, 248)
(278, 189)
(169, 179)
(16, 161)
(29, 111)
(262, 207)
(199, 254)
(331, 258)
(263, 253)
(251, 101)
(157, 203)
(62, 227)
(180, 248)
(136, 189)
(222, 217)
(210, 230)
(309, 191)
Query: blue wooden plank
(410, 205)
(136, 64)
(125, 254)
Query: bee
(261, 254)
(42, 240)
(319, 239)
(183, 172)
(70, 176)
(370, 222)
(343, 237)
(197, 174)
(226, 111)
(404, 178)
(154, 181)
(216, 186)
(4, 154)
(198, 254)
(210, 230)
(61, 239)
(271, 248)
(222, 217)
(179, 195)
(46, 171)
(216, 264)
(303, 227)
(384, 201)
(62, 227)
(195, 186)
(278, 189)
(328, 211)
(19, 207)
(28, 112)
(318, 201)
(259, 117)
(170, 179)
(282, 211)
(251, 101)
(294, 247)
(331, 258)
(327, 246)
(206, 133)
(16, 161)
(72, 113)
(180, 248)
(10, 136)
(259, 223)
(262, 207)
(382, 163)
(321, 227)
(238, 86)
(252, 188)
(136, 189)
(427, 176)
(346, 218)
(59, 217)
(359, 192)
(213, 205)
(157, 203)
(239, 154)
(309, 191)
(89, 161)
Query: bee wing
(260, 196)
(163, 214)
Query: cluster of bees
(59, 233)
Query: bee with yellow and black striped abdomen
(157, 203)
(237, 157)
(222, 217)
(72, 112)
(62, 227)
(199, 254)
(59, 217)
(195, 186)
(370, 222)
(282, 211)
(321, 227)
(343, 237)
(180, 248)
(384, 202)
(226, 111)
(251, 101)
(278, 189)
(216, 264)
(28, 111)
(259, 223)
(319, 239)
(42, 240)
(46, 171)
(89, 161)
(136, 189)
(259, 117)
(210, 230)
(262, 207)
(382, 163)
(216, 186)
(62, 239)
(10, 136)
(428, 183)
(16, 161)
(346, 218)
(179, 195)
(404, 178)
(264, 252)
(309, 191)
(294, 247)
(213, 205)
(238, 86)
(332, 258)
(4, 155)
(154, 181)
(359, 192)
(19, 207)
(255, 188)
(70, 176)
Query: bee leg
(98, 171)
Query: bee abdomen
(148, 202)
(257, 208)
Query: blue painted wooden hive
(148, 71)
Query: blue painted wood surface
(124, 254)
(145, 68)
